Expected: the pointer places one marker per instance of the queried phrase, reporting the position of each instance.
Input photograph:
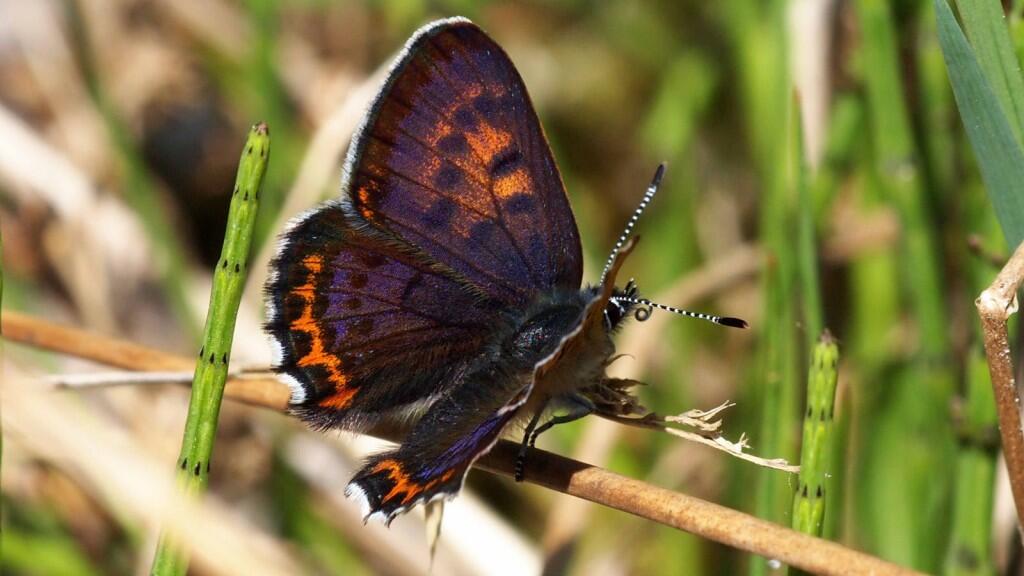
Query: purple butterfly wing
(364, 327)
(452, 159)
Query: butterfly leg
(520, 465)
(577, 407)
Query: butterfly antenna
(651, 191)
(643, 314)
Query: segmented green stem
(212, 365)
(818, 434)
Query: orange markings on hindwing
(364, 199)
(317, 354)
(404, 485)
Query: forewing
(452, 159)
(364, 327)
(433, 460)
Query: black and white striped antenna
(629, 294)
(651, 191)
(720, 320)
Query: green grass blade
(807, 254)
(970, 549)
(212, 365)
(1000, 157)
(985, 27)
(816, 451)
(45, 555)
(779, 343)
(912, 412)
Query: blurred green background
(818, 176)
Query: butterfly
(443, 288)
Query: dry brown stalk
(718, 523)
(995, 305)
(25, 329)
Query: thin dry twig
(718, 523)
(995, 305)
(133, 377)
(265, 392)
(597, 485)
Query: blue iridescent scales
(443, 287)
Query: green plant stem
(970, 549)
(816, 450)
(807, 268)
(911, 436)
(212, 365)
(758, 30)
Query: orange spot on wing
(365, 195)
(514, 183)
(403, 484)
(488, 141)
(317, 354)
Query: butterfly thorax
(538, 344)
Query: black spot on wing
(453, 144)
(486, 105)
(357, 280)
(521, 204)
(363, 327)
(410, 287)
(301, 343)
(465, 118)
(371, 260)
(448, 177)
(482, 231)
(506, 162)
(440, 213)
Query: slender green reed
(818, 436)
(842, 147)
(807, 254)
(758, 31)
(212, 365)
(934, 109)
(912, 436)
(970, 548)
